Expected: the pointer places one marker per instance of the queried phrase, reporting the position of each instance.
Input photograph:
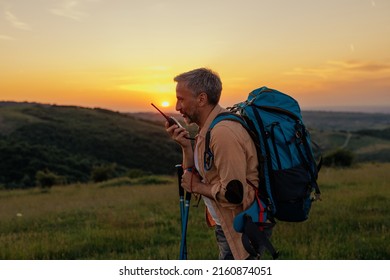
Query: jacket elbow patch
(234, 192)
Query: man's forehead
(182, 87)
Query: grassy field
(123, 219)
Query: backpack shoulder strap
(227, 116)
(208, 155)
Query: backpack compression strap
(254, 238)
(303, 138)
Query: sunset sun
(165, 104)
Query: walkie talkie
(171, 120)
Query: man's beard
(192, 118)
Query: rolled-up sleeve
(226, 144)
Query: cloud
(161, 88)
(337, 66)
(69, 9)
(6, 38)
(354, 65)
(15, 22)
(151, 79)
(320, 72)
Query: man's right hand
(179, 134)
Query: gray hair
(202, 80)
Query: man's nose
(177, 107)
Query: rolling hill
(72, 141)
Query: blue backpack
(287, 169)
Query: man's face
(186, 103)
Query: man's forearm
(188, 157)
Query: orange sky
(123, 55)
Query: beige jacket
(235, 158)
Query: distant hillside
(322, 120)
(348, 121)
(365, 134)
(70, 141)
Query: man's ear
(202, 99)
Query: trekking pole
(183, 214)
(181, 192)
(183, 248)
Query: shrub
(103, 172)
(339, 158)
(137, 173)
(46, 179)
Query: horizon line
(326, 108)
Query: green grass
(140, 220)
(97, 222)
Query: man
(223, 182)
